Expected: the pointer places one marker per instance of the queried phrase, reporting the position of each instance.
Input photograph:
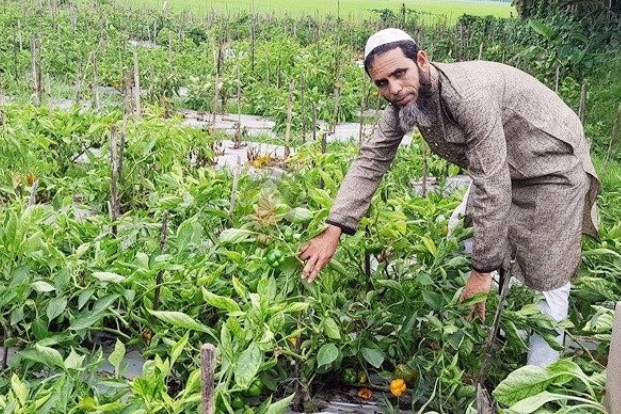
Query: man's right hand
(318, 252)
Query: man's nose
(395, 87)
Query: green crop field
(355, 9)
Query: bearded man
(533, 183)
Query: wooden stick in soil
(48, 91)
(78, 81)
(425, 169)
(289, 120)
(36, 70)
(94, 85)
(303, 104)
(2, 113)
(238, 135)
(481, 51)
(556, 78)
(158, 278)
(32, 199)
(314, 120)
(19, 36)
(236, 173)
(114, 201)
(208, 357)
(127, 97)
(616, 131)
(136, 88)
(5, 354)
(584, 90)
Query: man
(533, 183)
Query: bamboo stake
(48, 91)
(5, 354)
(583, 101)
(19, 35)
(425, 169)
(94, 85)
(36, 70)
(208, 357)
(236, 173)
(303, 110)
(557, 78)
(78, 82)
(136, 88)
(289, 119)
(2, 113)
(114, 201)
(253, 42)
(238, 137)
(127, 98)
(160, 274)
(314, 122)
(481, 51)
(32, 199)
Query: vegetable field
(354, 9)
(118, 233)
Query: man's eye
(400, 73)
(381, 84)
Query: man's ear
(422, 61)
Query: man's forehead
(390, 59)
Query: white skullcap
(383, 37)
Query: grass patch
(347, 9)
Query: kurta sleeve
(479, 116)
(354, 196)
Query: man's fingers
(309, 268)
(302, 249)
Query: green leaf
(20, 389)
(522, 383)
(46, 355)
(74, 360)
(279, 407)
(331, 328)
(84, 297)
(108, 277)
(542, 29)
(299, 215)
(295, 307)
(429, 245)
(532, 404)
(42, 287)
(392, 284)
(236, 236)
(247, 366)
(116, 357)
(179, 320)
(374, 357)
(327, 354)
(220, 302)
(56, 307)
(320, 197)
(178, 348)
(84, 321)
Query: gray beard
(413, 114)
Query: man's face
(398, 77)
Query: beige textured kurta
(534, 185)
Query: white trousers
(555, 303)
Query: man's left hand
(477, 283)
